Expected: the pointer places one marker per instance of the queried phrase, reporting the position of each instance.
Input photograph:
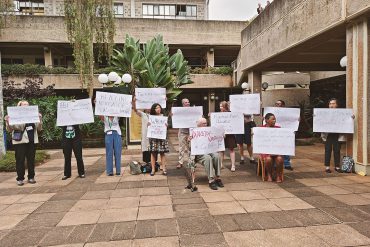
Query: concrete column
(358, 92)
(211, 58)
(48, 57)
(132, 8)
(255, 81)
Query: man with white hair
(183, 140)
(211, 163)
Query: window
(17, 61)
(29, 7)
(40, 61)
(118, 9)
(169, 11)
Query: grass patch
(7, 163)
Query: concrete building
(311, 35)
(38, 36)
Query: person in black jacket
(71, 140)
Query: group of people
(25, 138)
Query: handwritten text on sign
(186, 117)
(113, 104)
(206, 140)
(245, 103)
(275, 141)
(333, 120)
(285, 117)
(146, 97)
(23, 114)
(232, 123)
(74, 112)
(158, 127)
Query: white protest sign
(285, 117)
(146, 97)
(74, 112)
(206, 140)
(246, 103)
(274, 141)
(23, 114)
(157, 128)
(333, 120)
(186, 117)
(113, 104)
(232, 123)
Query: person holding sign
(113, 143)
(332, 142)
(211, 163)
(230, 141)
(24, 139)
(246, 138)
(183, 136)
(158, 146)
(269, 159)
(71, 140)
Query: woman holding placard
(113, 143)
(230, 141)
(157, 145)
(24, 138)
(269, 159)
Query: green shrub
(212, 70)
(7, 163)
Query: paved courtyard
(311, 208)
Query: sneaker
(110, 174)
(65, 177)
(337, 169)
(219, 183)
(31, 181)
(118, 174)
(82, 176)
(232, 168)
(327, 170)
(213, 185)
(20, 183)
(288, 168)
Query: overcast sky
(238, 10)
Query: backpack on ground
(135, 167)
(347, 164)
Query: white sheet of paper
(157, 128)
(186, 117)
(23, 114)
(74, 112)
(285, 117)
(146, 97)
(276, 141)
(231, 122)
(206, 140)
(113, 104)
(333, 120)
(246, 103)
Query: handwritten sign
(146, 97)
(333, 120)
(232, 123)
(206, 140)
(186, 117)
(74, 112)
(275, 141)
(246, 103)
(285, 117)
(23, 114)
(157, 128)
(113, 104)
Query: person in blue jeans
(287, 164)
(113, 144)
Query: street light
(115, 78)
(246, 87)
(127, 78)
(343, 62)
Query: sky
(236, 10)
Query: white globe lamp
(127, 78)
(343, 62)
(112, 76)
(118, 81)
(245, 86)
(103, 78)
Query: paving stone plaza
(310, 208)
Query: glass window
(145, 9)
(156, 10)
(161, 9)
(172, 10)
(150, 9)
(118, 9)
(188, 10)
(40, 61)
(166, 10)
(194, 11)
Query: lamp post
(343, 62)
(246, 88)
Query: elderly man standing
(211, 163)
(183, 140)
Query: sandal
(165, 172)
(152, 173)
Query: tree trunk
(2, 142)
